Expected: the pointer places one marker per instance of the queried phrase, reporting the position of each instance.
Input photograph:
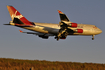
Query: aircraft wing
(42, 35)
(63, 17)
(64, 24)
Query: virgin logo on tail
(17, 16)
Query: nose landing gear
(93, 37)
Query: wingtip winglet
(21, 31)
(9, 6)
(60, 12)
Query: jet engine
(79, 31)
(63, 37)
(68, 24)
(44, 37)
(72, 24)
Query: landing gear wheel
(57, 39)
(93, 37)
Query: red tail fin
(15, 14)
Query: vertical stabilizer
(16, 15)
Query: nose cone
(99, 31)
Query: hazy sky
(14, 44)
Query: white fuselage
(49, 28)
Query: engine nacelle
(68, 24)
(79, 30)
(63, 37)
(44, 37)
(73, 24)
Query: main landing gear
(93, 37)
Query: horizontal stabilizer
(6, 24)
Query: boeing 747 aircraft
(44, 30)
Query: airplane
(44, 30)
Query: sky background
(14, 44)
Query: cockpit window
(94, 27)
